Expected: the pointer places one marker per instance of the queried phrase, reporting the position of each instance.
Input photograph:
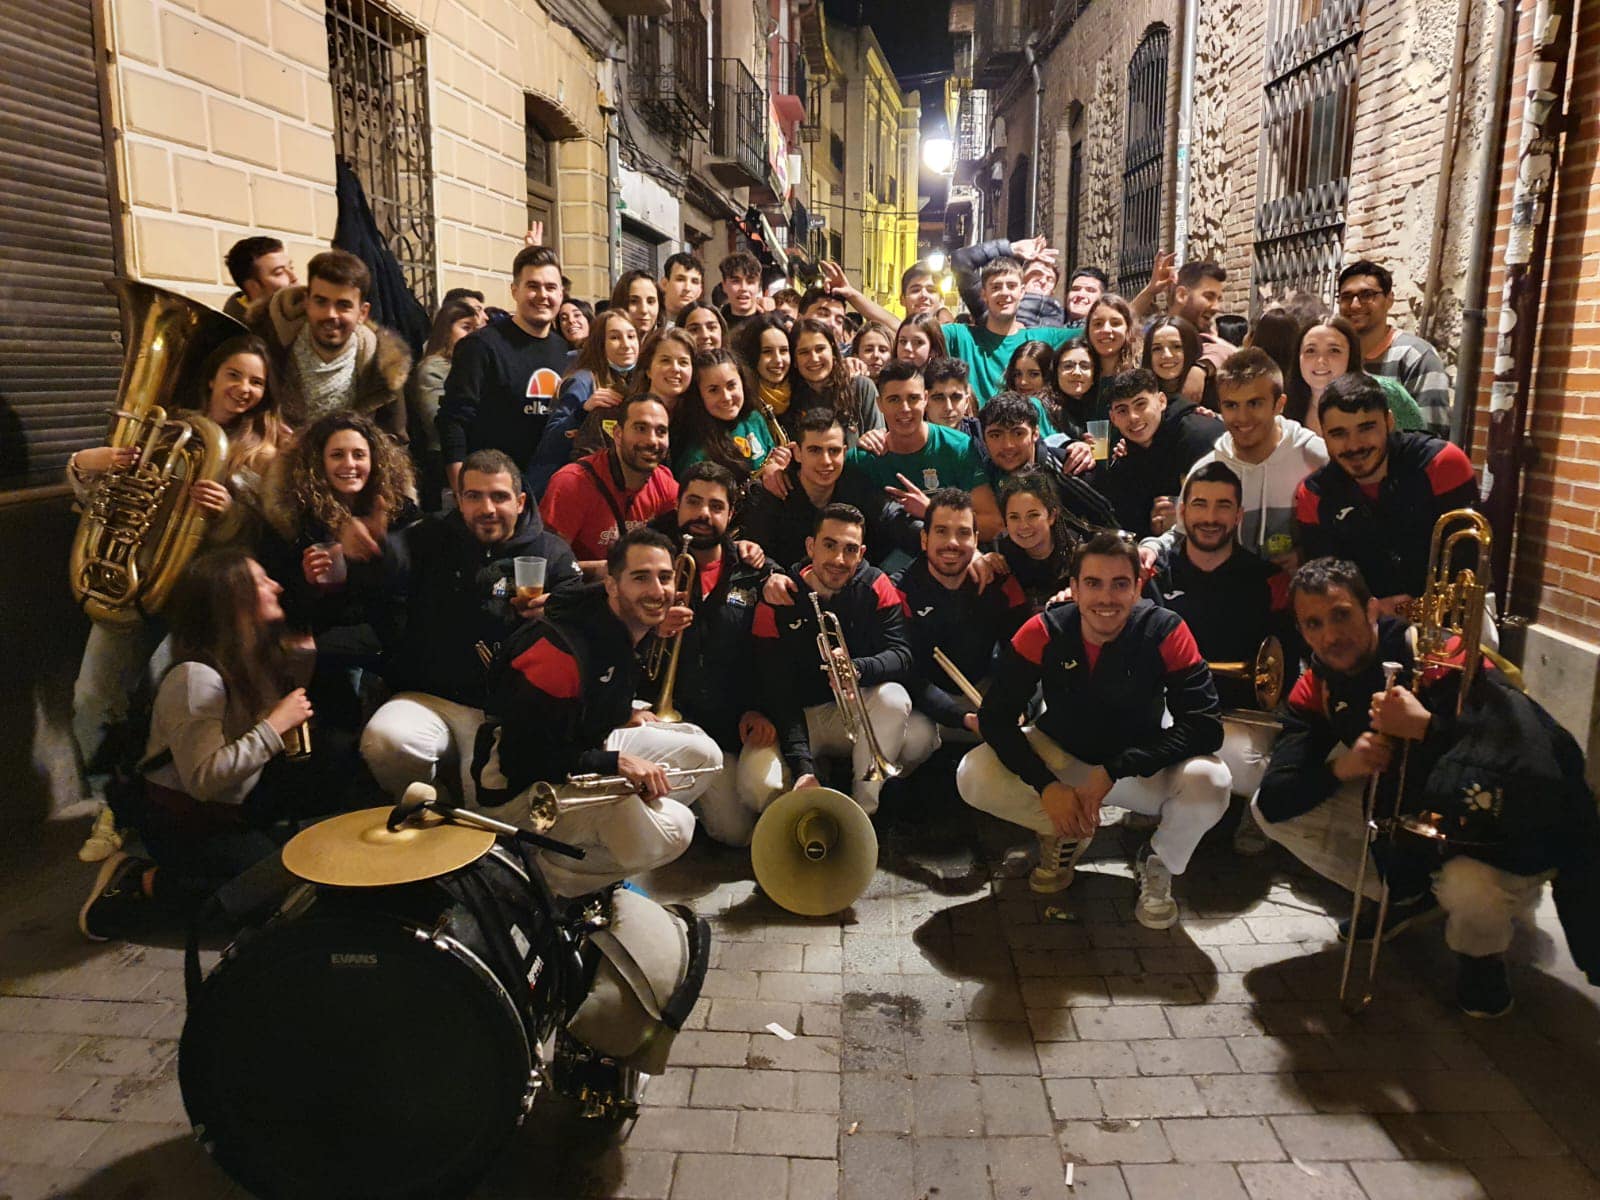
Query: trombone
(684, 570)
(1448, 636)
(1266, 674)
(547, 805)
(846, 684)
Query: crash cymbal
(357, 849)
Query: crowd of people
(459, 571)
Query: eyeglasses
(1363, 297)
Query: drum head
(344, 1056)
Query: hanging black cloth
(393, 304)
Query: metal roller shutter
(59, 357)
(638, 253)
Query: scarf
(329, 387)
(776, 397)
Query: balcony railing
(999, 34)
(668, 70)
(972, 126)
(738, 127)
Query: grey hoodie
(1269, 487)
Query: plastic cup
(528, 574)
(336, 572)
(1100, 431)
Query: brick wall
(1556, 571)
(226, 119)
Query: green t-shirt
(987, 354)
(749, 436)
(948, 459)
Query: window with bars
(541, 176)
(1143, 158)
(378, 69)
(1307, 134)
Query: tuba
(138, 528)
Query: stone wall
(226, 121)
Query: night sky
(911, 32)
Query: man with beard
(594, 501)
(1501, 766)
(1197, 298)
(503, 378)
(455, 574)
(947, 610)
(795, 691)
(1111, 667)
(716, 688)
(326, 358)
(1366, 294)
(1377, 500)
(561, 703)
(782, 514)
(1227, 596)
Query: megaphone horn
(814, 851)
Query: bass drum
(381, 1043)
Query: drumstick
(963, 684)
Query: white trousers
(906, 742)
(411, 737)
(1480, 902)
(1246, 749)
(1189, 797)
(631, 835)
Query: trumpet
(547, 805)
(846, 684)
(775, 431)
(1266, 674)
(662, 664)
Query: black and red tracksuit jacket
(557, 689)
(1385, 530)
(1103, 705)
(871, 613)
(967, 624)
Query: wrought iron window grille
(378, 69)
(1312, 67)
(669, 76)
(1144, 158)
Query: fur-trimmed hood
(383, 361)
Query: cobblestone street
(955, 1037)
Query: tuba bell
(139, 528)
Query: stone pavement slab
(965, 1041)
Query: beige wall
(226, 118)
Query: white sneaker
(1248, 837)
(104, 839)
(1156, 908)
(1057, 859)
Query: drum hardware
(547, 805)
(662, 662)
(846, 684)
(814, 851)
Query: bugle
(846, 684)
(548, 802)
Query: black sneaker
(1404, 912)
(117, 895)
(1483, 988)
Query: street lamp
(938, 155)
(936, 261)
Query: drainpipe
(1469, 362)
(1538, 167)
(613, 192)
(1441, 199)
(1180, 209)
(1038, 114)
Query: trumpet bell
(814, 851)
